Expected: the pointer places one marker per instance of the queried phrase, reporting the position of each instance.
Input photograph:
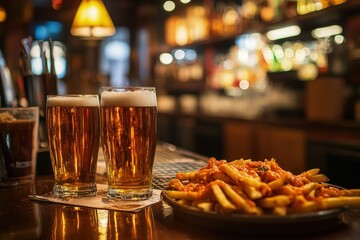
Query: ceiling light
(169, 6)
(166, 58)
(179, 54)
(339, 39)
(326, 31)
(284, 32)
(92, 20)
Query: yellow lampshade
(92, 20)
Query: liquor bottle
(26, 78)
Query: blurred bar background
(252, 78)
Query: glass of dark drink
(128, 136)
(73, 129)
(18, 145)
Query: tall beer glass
(73, 129)
(18, 145)
(128, 135)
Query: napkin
(100, 201)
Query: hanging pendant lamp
(92, 20)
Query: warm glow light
(56, 4)
(289, 52)
(268, 55)
(185, 1)
(286, 65)
(227, 78)
(181, 34)
(230, 16)
(2, 14)
(179, 54)
(242, 56)
(92, 20)
(300, 56)
(277, 50)
(190, 55)
(307, 72)
(339, 39)
(169, 6)
(326, 31)
(228, 64)
(244, 84)
(285, 32)
(166, 58)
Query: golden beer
(128, 134)
(73, 127)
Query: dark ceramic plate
(293, 224)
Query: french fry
(237, 178)
(251, 182)
(251, 192)
(239, 162)
(235, 162)
(307, 188)
(287, 190)
(239, 201)
(319, 178)
(313, 171)
(182, 195)
(176, 184)
(182, 176)
(220, 196)
(335, 202)
(276, 184)
(353, 192)
(280, 211)
(205, 206)
(305, 207)
(199, 175)
(222, 177)
(231, 172)
(275, 201)
(312, 194)
(311, 206)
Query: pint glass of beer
(18, 145)
(73, 129)
(128, 135)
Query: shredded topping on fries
(257, 187)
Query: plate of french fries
(259, 193)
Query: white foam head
(70, 101)
(129, 99)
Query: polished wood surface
(22, 218)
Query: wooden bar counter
(22, 218)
